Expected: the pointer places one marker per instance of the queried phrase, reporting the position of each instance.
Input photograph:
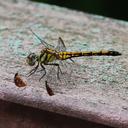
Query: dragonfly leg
(33, 70)
(72, 60)
(58, 70)
(43, 69)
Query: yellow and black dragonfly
(48, 55)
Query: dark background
(116, 9)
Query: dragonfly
(48, 55)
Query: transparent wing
(60, 46)
(45, 44)
(70, 78)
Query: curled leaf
(49, 90)
(19, 81)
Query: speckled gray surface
(95, 89)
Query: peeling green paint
(95, 30)
(1, 45)
(16, 46)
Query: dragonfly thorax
(48, 55)
(49, 50)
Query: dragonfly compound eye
(31, 59)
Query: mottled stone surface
(94, 88)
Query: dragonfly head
(31, 59)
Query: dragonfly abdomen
(67, 55)
(101, 53)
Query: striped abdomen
(67, 55)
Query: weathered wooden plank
(97, 88)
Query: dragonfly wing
(68, 78)
(45, 44)
(60, 46)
